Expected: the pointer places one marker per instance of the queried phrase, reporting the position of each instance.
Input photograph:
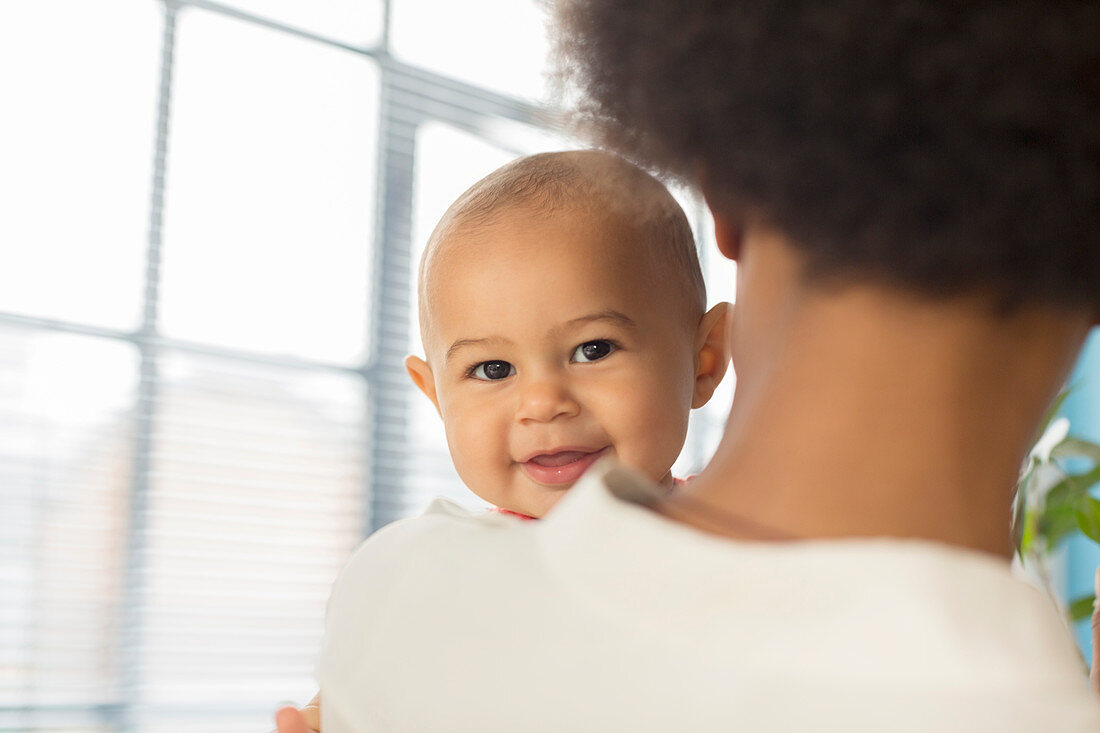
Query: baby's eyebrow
(612, 316)
(464, 343)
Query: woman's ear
(728, 230)
(422, 377)
(727, 235)
(711, 353)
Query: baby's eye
(492, 370)
(593, 351)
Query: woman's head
(947, 148)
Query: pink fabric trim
(527, 518)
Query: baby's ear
(711, 353)
(422, 377)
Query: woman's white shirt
(606, 616)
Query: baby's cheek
(664, 397)
(481, 475)
(651, 432)
(473, 446)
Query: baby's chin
(532, 503)
(536, 507)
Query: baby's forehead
(531, 262)
(623, 216)
(594, 236)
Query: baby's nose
(545, 400)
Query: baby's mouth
(554, 460)
(561, 467)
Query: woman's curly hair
(948, 146)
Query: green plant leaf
(1071, 488)
(1061, 493)
(1056, 522)
(1081, 608)
(1067, 506)
(1081, 482)
(1077, 448)
(1021, 539)
(1088, 517)
(1027, 531)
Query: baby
(562, 312)
(562, 317)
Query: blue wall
(1083, 410)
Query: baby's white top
(607, 617)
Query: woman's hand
(291, 720)
(304, 720)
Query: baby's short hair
(585, 180)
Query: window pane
(65, 466)
(356, 22)
(79, 83)
(256, 500)
(500, 44)
(270, 191)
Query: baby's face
(551, 344)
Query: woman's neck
(868, 414)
